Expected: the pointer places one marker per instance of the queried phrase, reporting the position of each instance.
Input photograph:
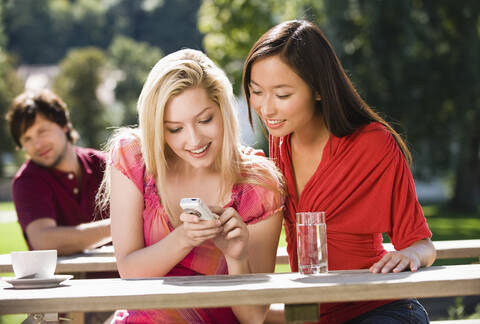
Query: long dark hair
(304, 47)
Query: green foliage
(42, 31)
(10, 86)
(77, 83)
(457, 312)
(134, 61)
(230, 32)
(417, 61)
(3, 37)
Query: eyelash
(257, 93)
(173, 131)
(205, 121)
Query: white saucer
(33, 283)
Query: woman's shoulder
(260, 169)
(373, 137)
(125, 148)
(374, 131)
(126, 140)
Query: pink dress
(253, 203)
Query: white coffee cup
(34, 264)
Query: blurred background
(417, 62)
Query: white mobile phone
(197, 207)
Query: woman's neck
(313, 134)
(186, 170)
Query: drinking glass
(312, 242)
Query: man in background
(54, 190)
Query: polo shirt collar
(85, 160)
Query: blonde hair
(173, 74)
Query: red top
(40, 192)
(365, 187)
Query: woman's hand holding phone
(233, 240)
(223, 225)
(199, 223)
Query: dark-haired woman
(340, 157)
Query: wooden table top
(220, 291)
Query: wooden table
(256, 289)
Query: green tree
(134, 61)
(167, 24)
(229, 31)
(10, 86)
(25, 41)
(416, 61)
(81, 73)
(41, 31)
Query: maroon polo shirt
(40, 192)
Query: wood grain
(220, 291)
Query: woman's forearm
(425, 252)
(155, 260)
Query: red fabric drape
(365, 187)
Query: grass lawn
(6, 206)
(11, 239)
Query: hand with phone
(231, 235)
(199, 223)
(233, 241)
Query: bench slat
(458, 249)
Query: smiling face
(280, 97)
(193, 127)
(45, 142)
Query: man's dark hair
(27, 105)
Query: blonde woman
(187, 145)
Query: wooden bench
(102, 259)
(458, 249)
